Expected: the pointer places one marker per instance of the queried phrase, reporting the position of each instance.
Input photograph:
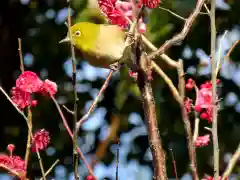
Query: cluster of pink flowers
(203, 105)
(26, 84)
(118, 11)
(13, 163)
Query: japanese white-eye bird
(100, 44)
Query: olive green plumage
(101, 45)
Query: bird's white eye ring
(78, 33)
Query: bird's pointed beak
(65, 40)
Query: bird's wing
(110, 42)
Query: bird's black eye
(78, 33)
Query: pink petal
(49, 87)
(21, 98)
(41, 140)
(29, 82)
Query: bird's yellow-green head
(84, 35)
(99, 44)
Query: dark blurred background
(40, 25)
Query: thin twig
(117, 160)
(71, 135)
(14, 105)
(165, 57)
(20, 54)
(231, 164)
(68, 110)
(174, 14)
(197, 120)
(74, 70)
(187, 124)
(51, 168)
(29, 138)
(203, 13)
(41, 164)
(232, 48)
(196, 128)
(174, 164)
(214, 91)
(208, 11)
(220, 60)
(95, 102)
(179, 37)
(208, 129)
(168, 81)
(10, 170)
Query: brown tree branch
(179, 37)
(149, 108)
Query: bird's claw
(115, 66)
(129, 34)
(132, 38)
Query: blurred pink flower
(49, 87)
(13, 163)
(149, 3)
(202, 140)
(29, 82)
(190, 84)
(26, 84)
(40, 140)
(90, 177)
(113, 14)
(21, 98)
(118, 11)
(188, 104)
(203, 103)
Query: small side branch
(179, 37)
(95, 102)
(231, 164)
(187, 124)
(168, 81)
